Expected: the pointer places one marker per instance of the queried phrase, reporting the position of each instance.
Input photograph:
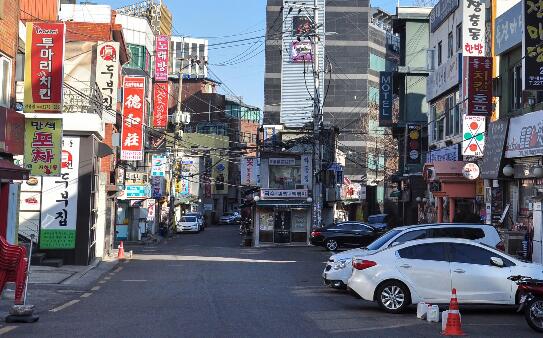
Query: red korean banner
(161, 57)
(44, 71)
(133, 112)
(160, 102)
(479, 85)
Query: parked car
(426, 270)
(341, 234)
(379, 221)
(338, 269)
(200, 218)
(230, 218)
(188, 224)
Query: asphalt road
(206, 285)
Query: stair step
(54, 262)
(37, 258)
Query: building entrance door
(281, 229)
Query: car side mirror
(496, 261)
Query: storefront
(282, 222)
(456, 196)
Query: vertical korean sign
(161, 59)
(44, 73)
(473, 142)
(59, 201)
(473, 28)
(160, 103)
(133, 111)
(158, 165)
(307, 171)
(43, 139)
(478, 82)
(107, 77)
(385, 99)
(532, 43)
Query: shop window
(453, 116)
(439, 52)
(516, 95)
(5, 81)
(459, 36)
(284, 176)
(299, 225)
(450, 45)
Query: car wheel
(331, 245)
(393, 297)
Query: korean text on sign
(43, 139)
(44, 67)
(161, 58)
(533, 45)
(133, 112)
(473, 28)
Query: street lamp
(508, 170)
(309, 200)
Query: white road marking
(62, 307)
(86, 295)
(96, 288)
(107, 278)
(118, 269)
(7, 329)
(102, 281)
(134, 280)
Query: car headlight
(340, 264)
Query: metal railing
(86, 99)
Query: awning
(284, 204)
(10, 171)
(103, 150)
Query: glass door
(281, 233)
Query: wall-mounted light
(508, 170)
(256, 198)
(309, 200)
(538, 171)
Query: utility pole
(317, 121)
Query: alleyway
(205, 285)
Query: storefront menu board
(493, 153)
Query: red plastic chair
(13, 267)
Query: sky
(223, 21)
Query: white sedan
(426, 270)
(188, 224)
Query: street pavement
(206, 285)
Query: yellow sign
(43, 146)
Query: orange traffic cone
(454, 326)
(120, 255)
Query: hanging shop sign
(473, 132)
(307, 170)
(508, 29)
(440, 12)
(12, 126)
(385, 99)
(59, 200)
(44, 73)
(414, 143)
(277, 193)
(446, 76)
(301, 25)
(250, 171)
(282, 161)
(158, 165)
(136, 177)
(160, 104)
(158, 187)
(493, 154)
(477, 85)
(525, 137)
(470, 171)
(107, 77)
(473, 28)
(532, 42)
(119, 176)
(161, 57)
(43, 146)
(133, 112)
(301, 51)
(137, 192)
(449, 153)
(150, 204)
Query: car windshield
(379, 242)
(188, 219)
(376, 219)
(228, 214)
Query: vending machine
(537, 244)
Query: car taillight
(315, 233)
(361, 264)
(501, 246)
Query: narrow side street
(206, 285)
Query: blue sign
(508, 29)
(440, 12)
(136, 191)
(220, 167)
